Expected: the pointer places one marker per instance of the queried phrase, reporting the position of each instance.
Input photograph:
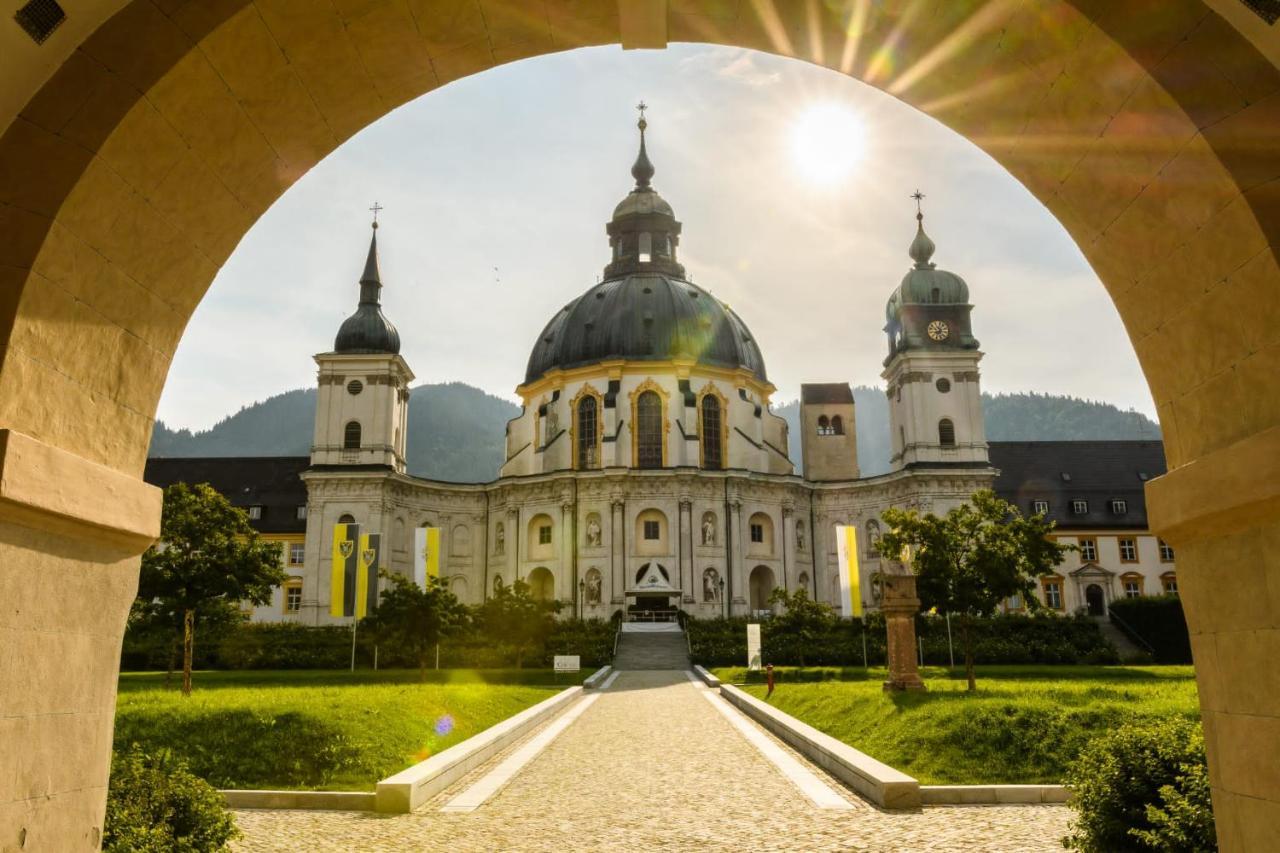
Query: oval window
(943, 385)
(355, 386)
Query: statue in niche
(710, 585)
(593, 587)
(497, 584)
(799, 535)
(499, 539)
(708, 529)
(593, 531)
(553, 424)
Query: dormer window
(1119, 507)
(1080, 507)
(1040, 507)
(254, 512)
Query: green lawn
(1024, 725)
(321, 730)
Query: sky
(792, 183)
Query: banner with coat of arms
(344, 569)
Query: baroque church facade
(646, 471)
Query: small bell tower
(363, 399)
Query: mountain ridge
(458, 432)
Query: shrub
(155, 805)
(225, 745)
(1004, 639)
(1143, 787)
(1159, 622)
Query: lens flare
(444, 725)
(828, 141)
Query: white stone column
(617, 520)
(685, 549)
(738, 597)
(514, 538)
(567, 589)
(789, 570)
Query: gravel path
(651, 765)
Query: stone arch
(460, 540)
(761, 583)
(458, 586)
(645, 541)
(541, 537)
(1148, 139)
(760, 540)
(542, 584)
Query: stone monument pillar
(900, 605)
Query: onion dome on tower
(931, 306)
(645, 309)
(367, 330)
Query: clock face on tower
(938, 330)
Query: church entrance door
(1094, 598)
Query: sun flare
(828, 141)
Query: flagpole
(353, 643)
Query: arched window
(351, 436)
(946, 433)
(649, 430)
(837, 425)
(712, 452)
(824, 425)
(588, 437)
(346, 518)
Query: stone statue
(710, 585)
(593, 587)
(593, 532)
(708, 529)
(500, 540)
(799, 535)
(497, 584)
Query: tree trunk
(968, 651)
(188, 644)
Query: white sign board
(753, 646)
(567, 663)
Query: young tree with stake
(974, 557)
(415, 619)
(208, 557)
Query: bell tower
(935, 401)
(363, 400)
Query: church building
(646, 472)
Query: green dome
(925, 284)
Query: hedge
(1005, 639)
(287, 645)
(1159, 622)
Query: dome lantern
(643, 233)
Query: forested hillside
(458, 433)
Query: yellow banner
(850, 574)
(342, 574)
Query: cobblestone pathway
(653, 766)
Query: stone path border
(409, 789)
(875, 780)
(356, 801)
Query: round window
(355, 386)
(943, 385)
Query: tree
(208, 557)
(974, 557)
(415, 619)
(153, 623)
(801, 622)
(513, 615)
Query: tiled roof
(271, 482)
(826, 392)
(1097, 472)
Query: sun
(828, 141)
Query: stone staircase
(638, 650)
(1124, 646)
